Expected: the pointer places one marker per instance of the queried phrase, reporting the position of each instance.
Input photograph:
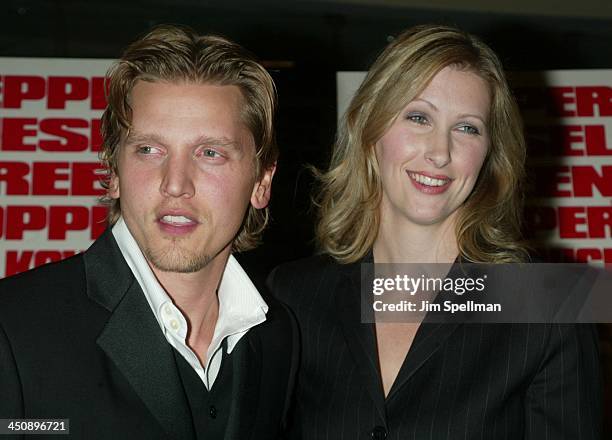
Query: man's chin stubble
(177, 260)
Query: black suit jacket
(78, 340)
(458, 381)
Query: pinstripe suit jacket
(458, 381)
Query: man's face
(186, 173)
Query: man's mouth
(177, 220)
(177, 223)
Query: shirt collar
(241, 306)
(154, 293)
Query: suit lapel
(428, 339)
(359, 336)
(132, 338)
(246, 376)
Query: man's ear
(113, 186)
(262, 188)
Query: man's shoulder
(279, 320)
(39, 283)
(49, 293)
(62, 274)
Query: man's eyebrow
(218, 141)
(136, 137)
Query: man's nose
(177, 179)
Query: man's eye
(146, 149)
(207, 152)
(469, 129)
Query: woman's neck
(411, 243)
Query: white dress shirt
(241, 307)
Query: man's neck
(195, 295)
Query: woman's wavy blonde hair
(177, 54)
(488, 225)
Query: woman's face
(430, 157)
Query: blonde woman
(427, 168)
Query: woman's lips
(429, 184)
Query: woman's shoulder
(305, 275)
(303, 269)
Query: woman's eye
(417, 118)
(469, 129)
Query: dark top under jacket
(78, 341)
(209, 409)
(458, 381)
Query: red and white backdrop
(568, 125)
(568, 119)
(49, 171)
(50, 113)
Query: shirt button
(379, 433)
(167, 310)
(213, 412)
(174, 324)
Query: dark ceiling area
(323, 34)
